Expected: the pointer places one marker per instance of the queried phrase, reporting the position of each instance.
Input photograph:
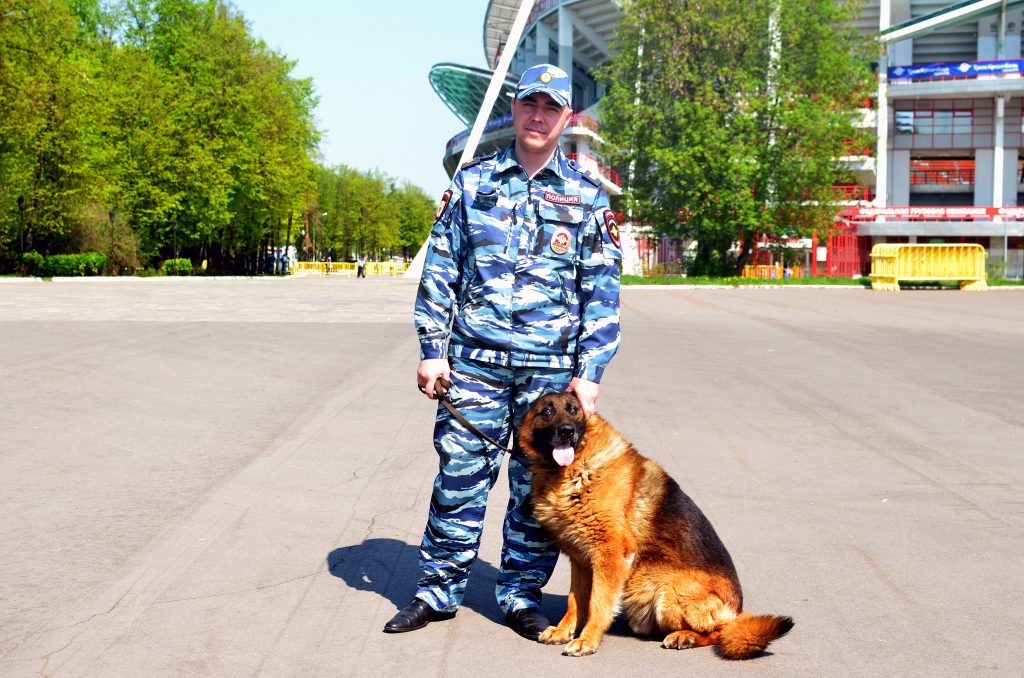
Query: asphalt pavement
(230, 478)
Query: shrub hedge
(178, 267)
(69, 265)
(32, 263)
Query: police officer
(519, 296)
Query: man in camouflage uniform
(519, 296)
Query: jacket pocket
(558, 233)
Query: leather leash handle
(441, 386)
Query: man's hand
(586, 391)
(428, 372)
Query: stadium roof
(953, 15)
(462, 90)
(497, 25)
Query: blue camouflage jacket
(522, 272)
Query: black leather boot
(415, 615)
(527, 622)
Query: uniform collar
(558, 165)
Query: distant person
(361, 267)
(519, 297)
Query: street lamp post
(21, 225)
(323, 224)
(174, 225)
(110, 251)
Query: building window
(904, 122)
(944, 124)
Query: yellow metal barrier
(891, 263)
(372, 267)
(770, 272)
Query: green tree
(366, 212)
(47, 92)
(236, 134)
(730, 117)
(415, 211)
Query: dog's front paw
(580, 647)
(553, 636)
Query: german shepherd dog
(636, 541)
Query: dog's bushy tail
(748, 635)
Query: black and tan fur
(636, 541)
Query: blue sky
(369, 60)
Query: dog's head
(553, 428)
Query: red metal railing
(583, 159)
(850, 149)
(942, 172)
(854, 192)
(580, 120)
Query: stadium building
(947, 166)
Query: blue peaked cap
(546, 78)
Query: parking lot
(230, 478)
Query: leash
(441, 387)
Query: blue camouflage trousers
(494, 399)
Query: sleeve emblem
(444, 204)
(612, 227)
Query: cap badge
(545, 77)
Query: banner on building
(934, 213)
(963, 69)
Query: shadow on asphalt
(388, 567)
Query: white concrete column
(882, 114)
(542, 53)
(1011, 178)
(900, 53)
(1011, 48)
(998, 166)
(984, 163)
(565, 41)
(899, 177)
(882, 145)
(630, 252)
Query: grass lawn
(757, 282)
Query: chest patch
(561, 199)
(561, 239)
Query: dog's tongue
(563, 455)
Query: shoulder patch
(479, 159)
(445, 199)
(612, 227)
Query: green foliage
(166, 113)
(736, 281)
(177, 267)
(725, 134)
(93, 263)
(366, 212)
(995, 269)
(162, 129)
(32, 263)
(71, 265)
